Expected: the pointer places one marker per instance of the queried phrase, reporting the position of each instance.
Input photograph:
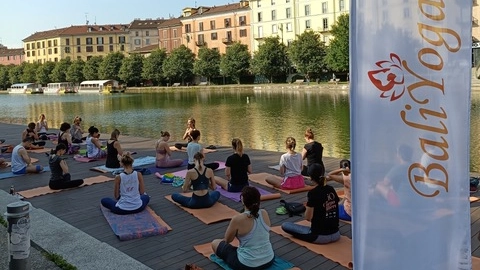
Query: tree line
(273, 60)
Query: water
(262, 121)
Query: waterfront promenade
(70, 223)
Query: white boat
(58, 88)
(98, 86)
(22, 88)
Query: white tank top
(17, 161)
(129, 193)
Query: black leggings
(65, 183)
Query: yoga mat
(183, 173)
(30, 193)
(155, 169)
(474, 199)
(206, 250)
(141, 161)
(40, 151)
(81, 158)
(475, 263)
(205, 150)
(10, 174)
(144, 224)
(235, 196)
(340, 251)
(218, 212)
(259, 178)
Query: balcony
(200, 43)
(323, 29)
(227, 40)
(258, 37)
(474, 21)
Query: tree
(110, 66)
(337, 57)
(75, 71)
(236, 61)
(42, 75)
(131, 69)
(29, 72)
(152, 66)
(90, 69)
(271, 60)
(179, 64)
(59, 73)
(208, 63)
(307, 53)
(15, 74)
(4, 77)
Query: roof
(78, 30)
(146, 24)
(22, 84)
(97, 81)
(208, 11)
(146, 49)
(170, 22)
(11, 52)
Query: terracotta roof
(78, 30)
(170, 22)
(217, 9)
(11, 52)
(146, 49)
(146, 24)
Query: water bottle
(12, 190)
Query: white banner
(410, 103)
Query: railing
(227, 40)
(200, 43)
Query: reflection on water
(262, 122)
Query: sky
(20, 19)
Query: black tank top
(112, 159)
(61, 140)
(201, 182)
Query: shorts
(22, 171)
(293, 182)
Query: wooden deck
(81, 208)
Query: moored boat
(97, 86)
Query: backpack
(293, 208)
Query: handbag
(293, 208)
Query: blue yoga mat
(140, 161)
(278, 263)
(9, 174)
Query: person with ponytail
(60, 177)
(312, 152)
(237, 168)
(129, 190)
(321, 211)
(199, 179)
(164, 153)
(193, 148)
(114, 150)
(94, 146)
(251, 228)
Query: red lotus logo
(389, 78)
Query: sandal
(281, 210)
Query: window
(175, 45)
(200, 38)
(289, 27)
(324, 7)
(43, 44)
(99, 40)
(174, 33)
(67, 42)
(200, 26)
(28, 46)
(307, 10)
(242, 20)
(122, 47)
(288, 12)
(89, 41)
(33, 45)
(188, 28)
(28, 54)
(307, 24)
(49, 43)
(79, 49)
(55, 42)
(147, 33)
(50, 51)
(212, 25)
(38, 45)
(121, 40)
(325, 24)
(110, 48)
(33, 53)
(147, 41)
(56, 59)
(100, 48)
(289, 42)
(259, 4)
(260, 32)
(227, 22)
(213, 36)
(259, 16)
(341, 4)
(78, 41)
(55, 50)
(243, 32)
(136, 33)
(165, 44)
(229, 35)
(274, 28)
(274, 15)
(273, 2)
(67, 49)
(89, 49)
(287, 1)
(137, 41)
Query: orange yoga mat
(40, 151)
(218, 212)
(46, 190)
(475, 263)
(205, 150)
(259, 178)
(340, 251)
(474, 199)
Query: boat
(22, 88)
(37, 90)
(59, 88)
(97, 86)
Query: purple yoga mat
(235, 196)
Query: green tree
(271, 59)
(131, 69)
(15, 74)
(179, 64)
(59, 73)
(90, 70)
(236, 61)
(29, 72)
(42, 75)
(152, 66)
(4, 77)
(75, 71)
(307, 53)
(110, 66)
(337, 57)
(208, 63)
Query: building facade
(76, 42)
(11, 56)
(143, 33)
(216, 27)
(286, 19)
(170, 34)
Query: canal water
(261, 118)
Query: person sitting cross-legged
(21, 162)
(60, 177)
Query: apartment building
(11, 56)
(170, 34)
(288, 18)
(143, 33)
(216, 27)
(76, 42)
